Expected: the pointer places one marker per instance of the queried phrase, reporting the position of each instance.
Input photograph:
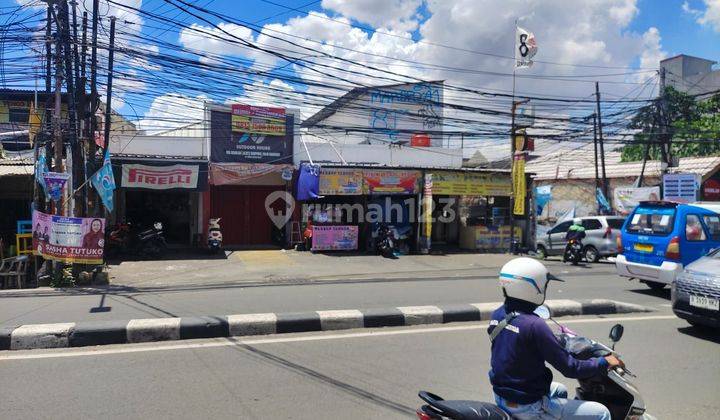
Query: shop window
(713, 225)
(19, 115)
(592, 224)
(693, 229)
(561, 228)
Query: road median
(81, 334)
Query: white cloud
(652, 51)
(391, 14)
(172, 110)
(711, 16)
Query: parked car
(600, 241)
(660, 238)
(696, 292)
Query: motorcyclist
(576, 232)
(521, 382)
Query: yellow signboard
(337, 181)
(519, 185)
(470, 183)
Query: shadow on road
(662, 293)
(703, 333)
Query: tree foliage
(692, 127)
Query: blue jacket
(518, 372)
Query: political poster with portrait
(68, 239)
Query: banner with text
(159, 177)
(468, 183)
(385, 181)
(338, 181)
(258, 120)
(68, 239)
(335, 238)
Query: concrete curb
(36, 336)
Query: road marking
(226, 342)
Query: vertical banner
(427, 209)
(519, 185)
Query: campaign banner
(227, 145)
(334, 238)
(258, 120)
(519, 185)
(385, 181)
(469, 183)
(159, 177)
(341, 181)
(626, 199)
(68, 239)
(55, 182)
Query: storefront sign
(681, 188)
(159, 177)
(711, 190)
(386, 181)
(341, 181)
(469, 183)
(493, 238)
(626, 199)
(258, 120)
(68, 239)
(335, 238)
(229, 145)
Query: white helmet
(577, 221)
(525, 279)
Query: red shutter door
(244, 218)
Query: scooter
(573, 252)
(614, 390)
(125, 238)
(214, 235)
(385, 241)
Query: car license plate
(643, 247)
(705, 302)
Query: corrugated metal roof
(16, 170)
(580, 164)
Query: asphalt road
(584, 282)
(353, 374)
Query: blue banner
(602, 201)
(104, 182)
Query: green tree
(693, 127)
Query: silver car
(696, 291)
(600, 240)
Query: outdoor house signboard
(251, 134)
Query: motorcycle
(573, 252)
(385, 241)
(126, 239)
(214, 235)
(614, 390)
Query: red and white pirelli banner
(159, 177)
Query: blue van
(659, 238)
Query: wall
(378, 154)
(580, 193)
(158, 146)
(392, 113)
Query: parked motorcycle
(573, 252)
(385, 241)
(127, 239)
(215, 237)
(614, 390)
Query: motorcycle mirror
(616, 332)
(542, 311)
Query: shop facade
(162, 190)
(250, 177)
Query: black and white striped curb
(95, 333)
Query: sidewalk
(282, 266)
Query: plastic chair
(14, 268)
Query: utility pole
(663, 121)
(602, 147)
(92, 198)
(513, 133)
(108, 109)
(595, 146)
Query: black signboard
(229, 146)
